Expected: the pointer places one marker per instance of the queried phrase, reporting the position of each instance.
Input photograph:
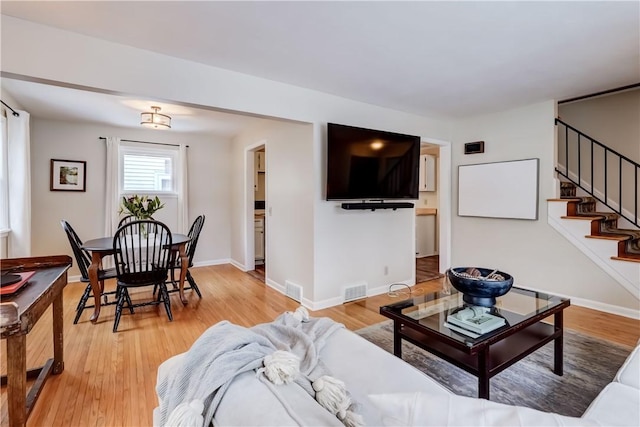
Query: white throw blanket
(226, 350)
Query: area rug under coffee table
(589, 365)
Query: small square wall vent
(354, 292)
(293, 291)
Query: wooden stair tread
(600, 236)
(563, 200)
(590, 218)
(627, 258)
(604, 225)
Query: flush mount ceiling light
(155, 119)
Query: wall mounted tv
(367, 164)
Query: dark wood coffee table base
(492, 358)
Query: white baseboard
(332, 302)
(76, 278)
(73, 279)
(213, 262)
(595, 305)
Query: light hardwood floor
(109, 378)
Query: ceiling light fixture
(155, 119)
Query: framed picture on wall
(68, 175)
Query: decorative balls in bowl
(480, 286)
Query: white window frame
(143, 149)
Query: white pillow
(424, 409)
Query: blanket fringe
(331, 393)
(280, 367)
(301, 314)
(187, 415)
(353, 419)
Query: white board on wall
(499, 190)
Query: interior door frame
(444, 202)
(249, 204)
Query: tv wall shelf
(376, 205)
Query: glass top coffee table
(422, 321)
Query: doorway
(433, 207)
(256, 191)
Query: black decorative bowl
(479, 285)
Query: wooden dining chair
(127, 219)
(194, 235)
(142, 259)
(83, 259)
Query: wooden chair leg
(128, 299)
(121, 299)
(82, 303)
(193, 284)
(167, 301)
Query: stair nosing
(637, 260)
(586, 218)
(618, 238)
(604, 225)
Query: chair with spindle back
(194, 235)
(84, 260)
(128, 218)
(142, 252)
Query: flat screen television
(367, 164)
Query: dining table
(103, 246)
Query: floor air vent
(293, 291)
(355, 292)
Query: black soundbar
(378, 205)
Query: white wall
(347, 246)
(614, 120)
(67, 57)
(289, 206)
(536, 255)
(354, 247)
(208, 163)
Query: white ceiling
(61, 103)
(431, 58)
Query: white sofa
(392, 392)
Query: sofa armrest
(616, 405)
(629, 372)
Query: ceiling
(61, 103)
(441, 59)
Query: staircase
(604, 225)
(599, 216)
(607, 249)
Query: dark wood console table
(18, 315)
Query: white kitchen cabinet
(259, 240)
(260, 161)
(259, 178)
(426, 236)
(427, 178)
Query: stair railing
(619, 194)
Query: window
(148, 169)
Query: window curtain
(183, 191)
(4, 185)
(112, 191)
(19, 188)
